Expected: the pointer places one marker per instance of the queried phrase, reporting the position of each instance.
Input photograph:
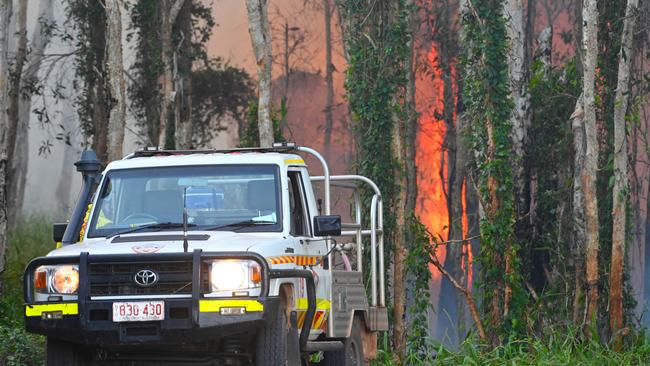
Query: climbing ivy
(375, 81)
(551, 249)
(486, 96)
(377, 41)
(418, 278)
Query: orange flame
(430, 158)
(431, 161)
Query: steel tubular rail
(373, 250)
(326, 189)
(326, 174)
(357, 211)
(376, 232)
(382, 289)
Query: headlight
(234, 275)
(62, 279)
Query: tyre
(352, 352)
(60, 353)
(271, 342)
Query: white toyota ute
(216, 257)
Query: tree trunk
(329, 69)
(258, 27)
(166, 81)
(588, 173)
(15, 83)
(404, 150)
(115, 68)
(620, 190)
(5, 14)
(100, 119)
(39, 42)
(183, 82)
(520, 116)
(171, 9)
(579, 210)
(96, 87)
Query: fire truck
(216, 257)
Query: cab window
(298, 210)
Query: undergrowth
(561, 347)
(31, 238)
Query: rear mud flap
(348, 295)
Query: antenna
(185, 243)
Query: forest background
(509, 139)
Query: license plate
(138, 311)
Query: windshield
(217, 197)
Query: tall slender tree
(520, 116)
(5, 16)
(258, 28)
(14, 199)
(115, 68)
(590, 168)
(620, 189)
(170, 11)
(41, 37)
(329, 70)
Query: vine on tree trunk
(486, 94)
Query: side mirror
(327, 225)
(58, 229)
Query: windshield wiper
(158, 225)
(240, 224)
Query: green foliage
(218, 91)
(486, 96)
(146, 22)
(553, 97)
(19, 348)
(31, 238)
(190, 35)
(250, 136)
(418, 277)
(561, 346)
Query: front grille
(117, 279)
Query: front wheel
(271, 343)
(60, 353)
(352, 352)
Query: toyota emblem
(145, 277)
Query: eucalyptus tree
(258, 28)
(589, 170)
(5, 15)
(115, 69)
(620, 188)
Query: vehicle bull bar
(196, 257)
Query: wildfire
(432, 162)
(430, 158)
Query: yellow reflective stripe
(69, 308)
(294, 161)
(321, 304)
(214, 306)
